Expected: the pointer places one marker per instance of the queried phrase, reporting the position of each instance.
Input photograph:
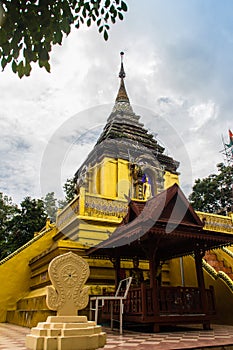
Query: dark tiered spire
(122, 94)
(124, 136)
(123, 123)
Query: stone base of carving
(66, 333)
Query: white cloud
(202, 113)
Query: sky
(179, 73)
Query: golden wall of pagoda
(101, 205)
(16, 273)
(110, 178)
(170, 179)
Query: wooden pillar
(143, 295)
(116, 264)
(201, 284)
(154, 263)
(200, 277)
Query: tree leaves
(7, 212)
(123, 6)
(214, 194)
(30, 28)
(105, 35)
(50, 205)
(19, 223)
(69, 188)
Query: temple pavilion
(128, 204)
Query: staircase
(29, 311)
(219, 265)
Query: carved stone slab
(68, 274)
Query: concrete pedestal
(66, 333)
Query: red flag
(229, 145)
(230, 135)
(231, 139)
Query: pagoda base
(66, 333)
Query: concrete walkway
(12, 337)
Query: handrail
(125, 283)
(172, 300)
(222, 275)
(68, 213)
(227, 251)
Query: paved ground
(12, 337)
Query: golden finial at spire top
(122, 94)
(122, 71)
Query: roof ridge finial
(122, 71)
(122, 94)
